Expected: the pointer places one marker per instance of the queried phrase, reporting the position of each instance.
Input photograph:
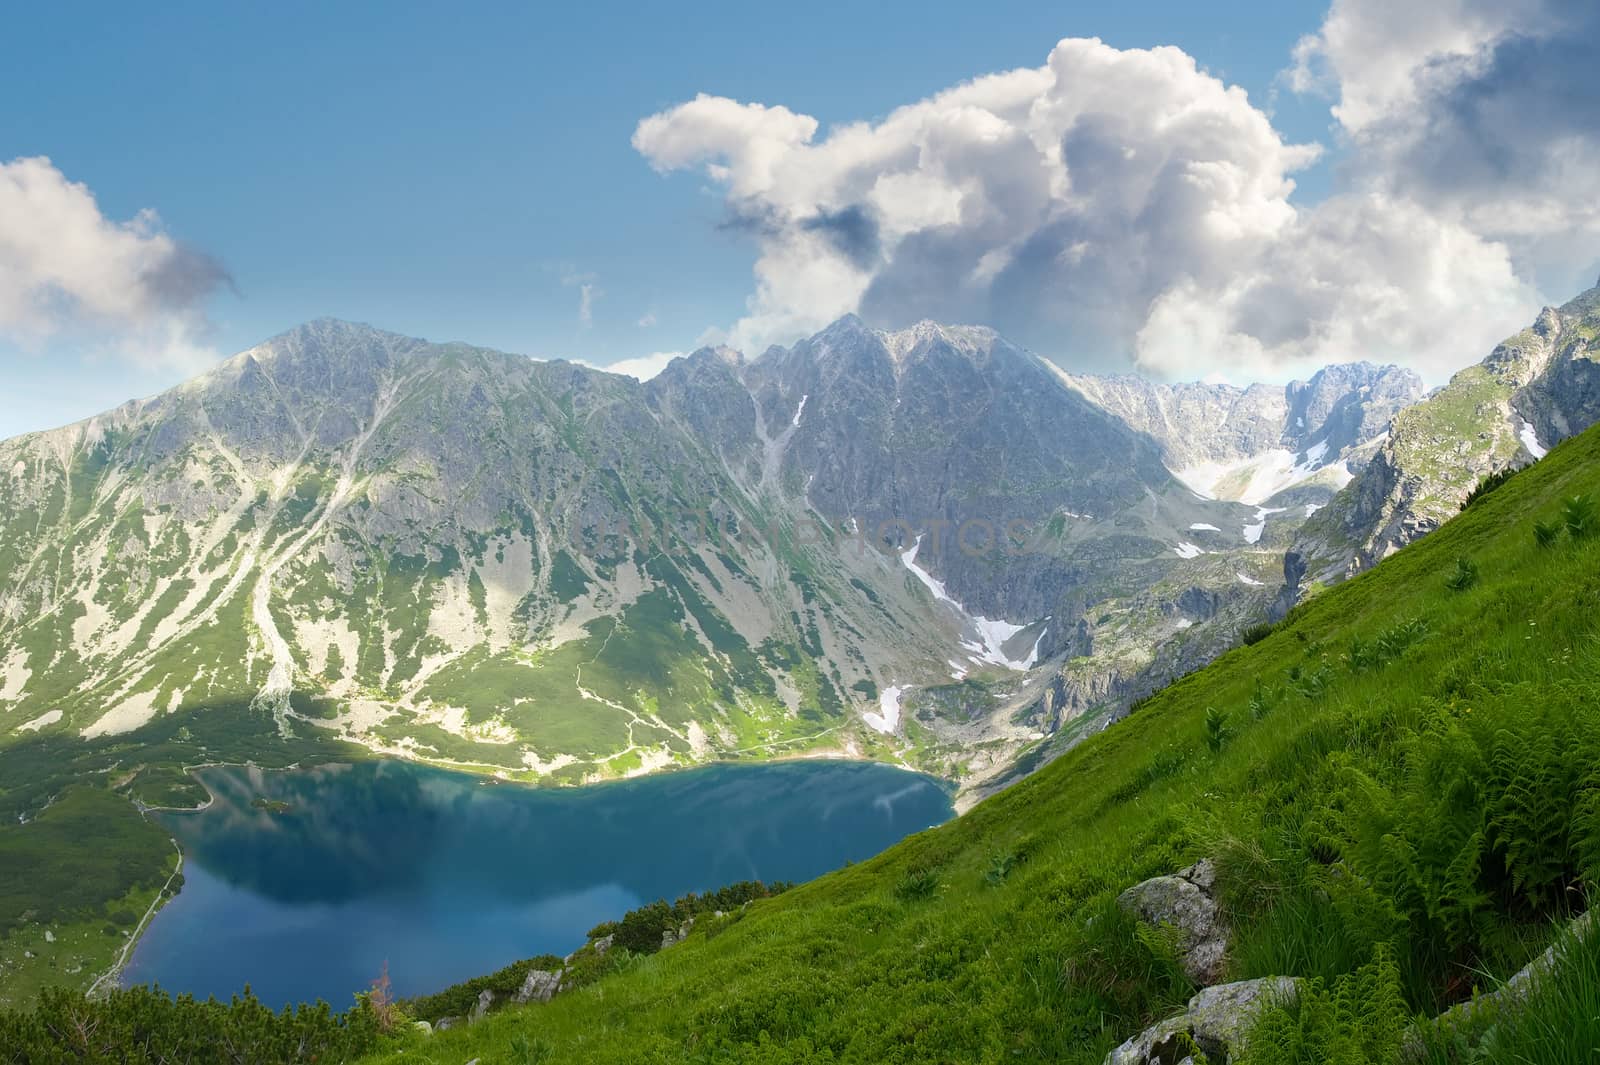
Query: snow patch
(1255, 478)
(1252, 533)
(957, 670)
(801, 409)
(1530, 440)
(1245, 578)
(992, 634)
(1201, 526)
(888, 717)
(1312, 508)
(1188, 550)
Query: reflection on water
(304, 883)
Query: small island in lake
(272, 806)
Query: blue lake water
(445, 877)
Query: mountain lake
(304, 883)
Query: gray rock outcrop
(540, 985)
(1184, 901)
(674, 936)
(1217, 1023)
(1468, 1017)
(485, 1000)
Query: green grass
(59, 924)
(1401, 784)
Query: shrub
(1256, 633)
(1546, 533)
(457, 1000)
(141, 1024)
(641, 930)
(1489, 483)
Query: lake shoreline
(583, 855)
(485, 778)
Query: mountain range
(925, 545)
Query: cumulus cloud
(641, 368)
(67, 269)
(1125, 204)
(1486, 110)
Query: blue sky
(465, 174)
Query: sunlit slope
(1411, 761)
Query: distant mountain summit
(926, 544)
(1534, 390)
(1251, 443)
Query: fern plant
(1360, 1020)
(1530, 809)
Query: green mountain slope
(1405, 775)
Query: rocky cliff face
(923, 544)
(1212, 435)
(1534, 390)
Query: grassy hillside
(1403, 779)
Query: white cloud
(1486, 110)
(126, 288)
(1116, 204)
(1359, 277)
(642, 367)
(647, 320)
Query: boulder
(423, 1026)
(485, 1000)
(444, 1024)
(1185, 902)
(1217, 1023)
(672, 937)
(1466, 1018)
(540, 985)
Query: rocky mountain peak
(972, 342)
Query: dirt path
(115, 971)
